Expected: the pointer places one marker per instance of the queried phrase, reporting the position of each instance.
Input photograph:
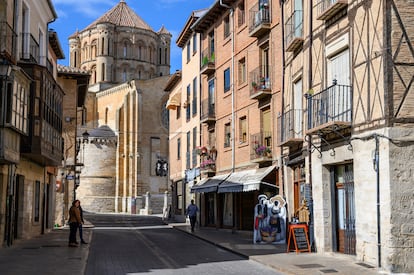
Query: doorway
(344, 208)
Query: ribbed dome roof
(102, 132)
(121, 15)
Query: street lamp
(85, 139)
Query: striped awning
(248, 180)
(208, 185)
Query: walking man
(192, 210)
(74, 221)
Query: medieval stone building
(124, 121)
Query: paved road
(137, 244)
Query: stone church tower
(124, 112)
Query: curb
(213, 243)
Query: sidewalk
(49, 254)
(275, 256)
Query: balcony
(261, 147)
(260, 83)
(208, 65)
(259, 20)
(329, 8)
(30, 49)
(294, 31)
(290, 128)
(330, 109)
(44, 144)
(8, 42)
(208, 111)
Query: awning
(208, 185)
(249, 180)
(174, 101)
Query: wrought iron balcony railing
(294, 31)
(259, 20)
(261, 146)
(8, 41)
(208, 111)
(290, 125)
(332, 106)
(207, 62)
(329, 8)
(260, 82)
(30, 48)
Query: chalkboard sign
(298, 238)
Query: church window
(125, 49)
(103, 46)
(103, 72)
(124, 75)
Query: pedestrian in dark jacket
(74, 221)
(192, 210)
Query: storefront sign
(298, 238)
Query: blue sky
(77, 14)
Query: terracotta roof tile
(121, 15)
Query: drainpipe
(310, 80)
(376, 168)
(233, 142)
(282, 2)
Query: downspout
(233, 142)
(283, 88)
(310, 81)
(376, 167)
(233, 147)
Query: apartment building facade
(238, 104)
(184, 89)
(346, 126)
(31, 119)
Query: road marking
(131, 228)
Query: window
(103, 45)
(267, 127)
(226, 26)
(227, 135)
(103, 72)
(106, 115)
(195, 155)
(194, 96)
(36, 214)
(187, 103)
(211, 42)
(179, 148)
(243, 130)
(242, 71)
(226, 79)
(125, 49)
(187, 154)
(124, 75)
(16, 102)
(188, 51)
(194, 43)
(241, 16)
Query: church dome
(121, 15)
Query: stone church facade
(124, 112)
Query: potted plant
(205, 61)
(254, 85)
(212, 58)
